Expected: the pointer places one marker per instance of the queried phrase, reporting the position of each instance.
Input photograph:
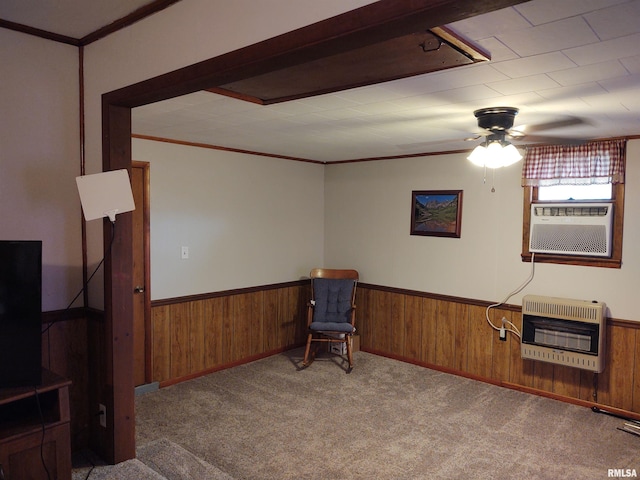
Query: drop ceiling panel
(545, 11)
(615, 22)
(525, 67)
(524, 84)
(550, 37)
(608, 50)
(589, 73)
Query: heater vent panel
(563, 331)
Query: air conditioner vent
(571, 211)
(571, 229)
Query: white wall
(39, 157)
(368, 213)
(247, 220)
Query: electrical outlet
(503, 334)
(102, 412)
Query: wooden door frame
(322, 38)
(146, 225)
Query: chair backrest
(334, 293)
(333, 273)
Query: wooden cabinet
(35, 431)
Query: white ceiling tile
(490, 24)
(328, 101)
(604, 105)
(465, 94)
(624, 85)
(523, 84)
(524, 67)
(461, 77)
(544, 11)
(549, 37)
(498, 51)
(632, 64)
(566, 94)
(608, 50)
(615, 21)
(589, 73)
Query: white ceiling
(71, 18)
(552, 59)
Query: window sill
(573, 260)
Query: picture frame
(436, 213)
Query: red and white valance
(592, 163)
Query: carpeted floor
(385, 420)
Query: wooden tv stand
(22, 425)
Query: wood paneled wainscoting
(199, 334)
(452, 334)
(195, 335)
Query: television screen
(20, 313)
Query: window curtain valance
(588, 164)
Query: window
(593, 172)
(561, 193)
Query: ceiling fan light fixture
(496, 154)
(478, 155)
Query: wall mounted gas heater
(564, 331)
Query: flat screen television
(20, 313)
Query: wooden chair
(331, 313)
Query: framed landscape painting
(436, 213)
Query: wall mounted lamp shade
(105, 194)
(495, 155)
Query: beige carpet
(385, 420)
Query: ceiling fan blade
(560, 123)
(551, 140)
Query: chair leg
(305, 362)
(349, 342)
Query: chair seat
(340, 327)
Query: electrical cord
(44, 464)
(84, 286)
(511, 327)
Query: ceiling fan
(497, 123)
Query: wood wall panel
(616, 384)
(480, 343)
(453, 334)
(636, 374)
(161, 343)
(429, 315)
(180, 339)
(412, 327)
(212, 313)
(461, 337)
(195, 336)
(397, 324)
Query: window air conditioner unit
(571, 228)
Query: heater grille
(563, 331)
